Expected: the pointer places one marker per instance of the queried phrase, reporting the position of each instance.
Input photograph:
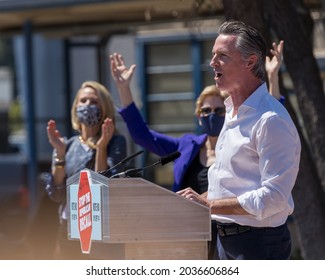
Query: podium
(132, 218)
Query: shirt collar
(256, 97)
(251, 102)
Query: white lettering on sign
(85, 222)
(84, 199)
(84, 210)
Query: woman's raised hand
(121, 74)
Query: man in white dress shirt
(257, 153)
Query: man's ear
(251, 61)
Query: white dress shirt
(257, 161)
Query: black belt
(231, 229)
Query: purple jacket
(188, 145)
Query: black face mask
(212, 124)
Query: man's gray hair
(249, 42)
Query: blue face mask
(89, 115)
(212, 124)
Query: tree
(291, 22)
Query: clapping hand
(106, 135)
(55, 138)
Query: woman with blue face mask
(97, 146)
(197, 151)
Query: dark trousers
(256, 244)
(212, 252)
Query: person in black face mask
(197, 151)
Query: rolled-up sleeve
(278, 148)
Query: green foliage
(15, 116)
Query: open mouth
(218, 75)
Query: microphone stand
(135, 171)
(105, 172)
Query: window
(173, 71)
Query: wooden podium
(131, 218)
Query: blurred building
(58, 44)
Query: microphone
(135, 171)
(168, 158)
(105, 172)
(128, 173)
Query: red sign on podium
(84, 212)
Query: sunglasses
(220, 111)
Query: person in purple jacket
(197, 151)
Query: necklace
(88, 143)
(82, 140)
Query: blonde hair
(105, 102)
(211, 90)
